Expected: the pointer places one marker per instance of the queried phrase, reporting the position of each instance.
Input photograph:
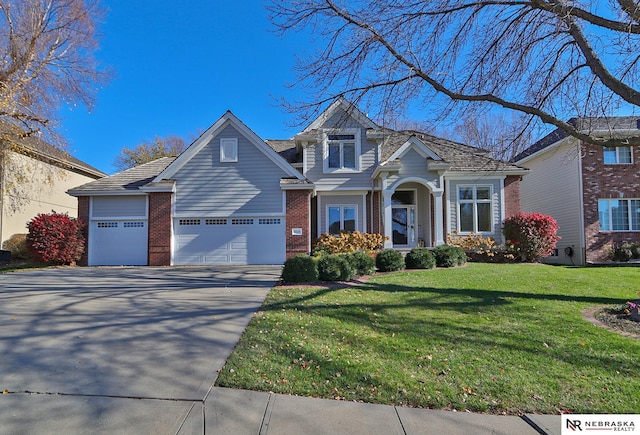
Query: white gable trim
(417, 145)
(349, 108)
(206, 137)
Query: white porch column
(388, 222)
(437, 217)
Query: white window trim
(341, 206)
(229, 155)
(629, 215)
(416, 218)
(475, 202)
(325, 150)
(617, 149)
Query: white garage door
(118, 243)
(251, 240)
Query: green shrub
(621, 253)
(300, 268)
(449, 256)
(420, 258)
(17, 244)
(334, 268)
(361, 263)
(389, 260)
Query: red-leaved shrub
(532, 236)
(55, 238)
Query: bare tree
(502, 136)
(549, 60)
(46, 60)
(169, 146)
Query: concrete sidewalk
(229, 411)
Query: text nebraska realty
(609, 425)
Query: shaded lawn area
(486, 338)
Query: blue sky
(178, 69)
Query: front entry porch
(413, 215)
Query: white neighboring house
(34, 178)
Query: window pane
(635, 214)
(334, 155)
(484, 217)
(620, 215)
(466, 217)
(465, 193)
(349, 151)
(349, 218)
(333, 220)
(624, 154)
(609, 155)
(603, 214)
(483, 193)
(402, 197)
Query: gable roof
(349, 108)
(601, 125)
(206, 137)
(462, 158)
(129, 182)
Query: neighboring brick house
(592, 191)
(232, 198)
(34, 178)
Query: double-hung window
(341, 218)
(474, 209)
(619, 214)
(617, 155)
(342, 151)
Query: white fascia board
(78, 193)
(416, 144)
(206, 137)
(165, 186)
(553, 146)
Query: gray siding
(413, 165)
(119, 206)
(452, 200)
(207, 187)
(539, 193)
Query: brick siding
(83, 215)
(511, 195)
(159, 229)
(600, 181)
(298, 216)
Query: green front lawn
(485, 338)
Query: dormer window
(228, 150)
(342, 151)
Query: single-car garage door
(237, 240)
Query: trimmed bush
(55, 238)
(334, 268)
(300, 268)
(449, 256)
(361, 263)
(389, 260)
(532, 236)
(347, 242)
(420, 258)
(17, 244)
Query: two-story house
(592, 191)
(232, 198)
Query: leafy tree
(148, 151)
(55, 238)
(546, 59)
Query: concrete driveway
(119, 350)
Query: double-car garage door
(234, 240)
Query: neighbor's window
(617, 155)
(229, 150)
(619, 214)
(341, 152)
(341, 218)
(474, 209)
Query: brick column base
(298, 218)
(83, 215)
(159, 229)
